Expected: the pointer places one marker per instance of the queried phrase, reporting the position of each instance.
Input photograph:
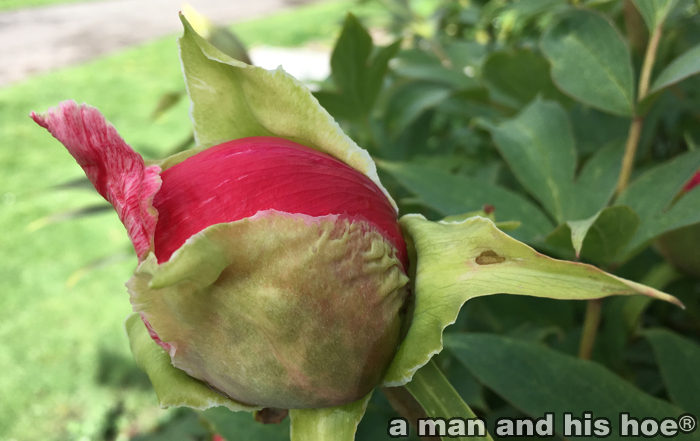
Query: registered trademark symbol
(687, 423)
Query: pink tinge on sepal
(114, 168)
(154, 335)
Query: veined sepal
(174, 388)
(279, 310)
(457, 261)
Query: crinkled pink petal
(114, 168)
(694, 182)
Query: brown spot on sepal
(489, 257)
(271, 415)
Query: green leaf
(466, 61)
(538, 145)
(579, 229)
(439, 399)
(596, 183)
(532, 78)
(232, 100)
(678, 359)
(352, 49)
(601, 237)
(594, 129)
(336, 423)
(409, 100)
(536, 379)
(356, 73)
(172, 385)
(590, 61)
(654, 12)
(530, 8)
(651, 196)
(459, 261)
(456, 194)
(681, 68)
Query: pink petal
(237, 179)
(115, 169)
(694, 182)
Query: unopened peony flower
(272, 269)
(273, 245)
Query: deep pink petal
(694, 182)
(239, 178)
(115, 169)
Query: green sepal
(173, 387)
(329, 423)
(459, 261)
(231, 100)
(281, 310)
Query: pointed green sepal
(459, 261)
(231, 100)
(173, 387)
(329, 423)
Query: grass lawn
(67, 372)
(8, 5)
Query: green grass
(7, 5)
(66, 365)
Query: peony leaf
(454, 194)
(652, 196)
(654, 12)
(590, 61)
(686, 65)
(173, 386)
(536, 379)
(678, 358)
(601, 237)
(336, 423)
(459, 261)
(231, 100)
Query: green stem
(633, 136)
(649, 59)
(328, 423)
(439, 398)
(637, 121)
(407, 406)
(590, 328)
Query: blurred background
(444, 94)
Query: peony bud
(271, 271)
(681, 247)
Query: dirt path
(39, 39)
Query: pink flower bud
(271, 271)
